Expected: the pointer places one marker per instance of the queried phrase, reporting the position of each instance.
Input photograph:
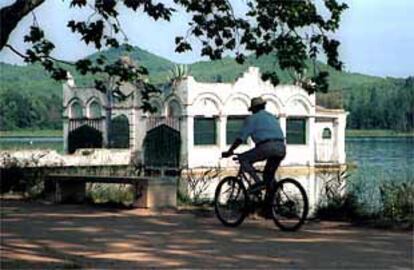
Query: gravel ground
(41, 236)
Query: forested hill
(29, 98)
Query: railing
(155, 121)
(77, 123)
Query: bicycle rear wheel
(289, 205)
(230, 202)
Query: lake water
(388, 155)
(379, 160)
(18, 143)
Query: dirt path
(80, 236)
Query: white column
(190, 139)
(222, 132)
(65, 135)
(184, 141)
(132, 128)
(311, 134)
(282, 121)
(340, 131)
(140, 130)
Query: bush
(397, 201)
(194, 184)
(110, 193)
(345, 200)
(21, 175)
(337, 202)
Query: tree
(291, 31)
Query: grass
(377, 133)
(32, 133)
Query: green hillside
(374, 102)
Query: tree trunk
(11, 15)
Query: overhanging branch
(11, 15)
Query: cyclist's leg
(248, 158)
(271, 166)
(269, 173)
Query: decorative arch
(207, 104)
(298, 105)
(75, 109)
(174, 109)
(173, 106)
(237, 104)
(157, 104)
(94, 109)
(274, 103)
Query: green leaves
(292, 31)
(92, 32)
(272, 77)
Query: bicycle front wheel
(289, 205)
(230, 202)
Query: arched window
(95, 110)
(76, 111)
(174, 109)
(326, 133)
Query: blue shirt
(261, 126)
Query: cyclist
(265, 131)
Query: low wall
(200, 183)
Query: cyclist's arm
(234, 146)
(244, 134)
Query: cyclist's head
(257, 104)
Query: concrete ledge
(148, 192)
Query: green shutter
(204, 131)
(233, 127)
(296, 131)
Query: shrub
(195, 183)
(397, 200)
(110, 193)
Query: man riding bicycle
(265, 131)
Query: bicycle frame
(245, 177)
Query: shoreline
(350, 133)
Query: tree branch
(15, 51)
(11, 15)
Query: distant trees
(21, 110)
(389, 106)
(385, 105)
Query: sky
(377, 36)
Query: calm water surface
(379, 161)
(387, 155)
(19, 143)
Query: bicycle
(238, 196)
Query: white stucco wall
(220, 100)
